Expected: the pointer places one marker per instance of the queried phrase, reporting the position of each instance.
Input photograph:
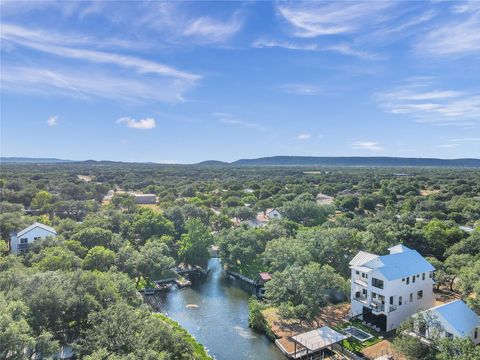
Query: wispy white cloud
(300, 89)
(177, 24)
(142, 124)
(210, 30)
(304, 136)
(149, 80)
(341, 48)
(46, 81)
(454, 38)
(367, 145)
(312, 19)
(52, 121)
(41, 41)
(232, 120)
(448, 146)
(419, 99)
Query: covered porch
(314, 343)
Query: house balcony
(360, 297)
(377, 307)
(360, 281)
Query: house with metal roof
(387, 289)
(453, 319)
(20, 241)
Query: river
(220, 320)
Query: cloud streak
(424, 103)
(142, 124)
(313, 19)
(342, 48)
(367, 145)
(231, 120)
(454, 38)
(300, 89)
(110, 74)
(304, 136)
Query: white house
(453, 319)
(20, 241)
(273, 214)
(264, 217)
(388, 289)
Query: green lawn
(353, 344)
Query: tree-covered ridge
(106, 250)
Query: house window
(403, 279)
(411, 297)
(448, 335)
(391, 300)
(419, 294)
(364, 292)
(423, 276)
(400, 299)
(23, 240)
(475, 335)
(431, 274)
(37, 238)
(357, 272)
(413, 278)
(408, 280)
(422, 330)
(377, 283)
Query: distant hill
(355, 161)
(213, 163)
(26, 160)
(282, 161)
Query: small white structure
(388, 289)
(273, 214)
(20, 241)
(140, 198)
(145, 198)
(467, 229)
(263, 218)
(323, 199)
(314, 341)
(453, 319)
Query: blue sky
(189, 81)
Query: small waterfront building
(453, 319)
(386, 290)
(263, 278)
(20, 241)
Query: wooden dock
(242, 277)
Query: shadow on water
(215, 311)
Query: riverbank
(199, 351)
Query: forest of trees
(62, 291)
